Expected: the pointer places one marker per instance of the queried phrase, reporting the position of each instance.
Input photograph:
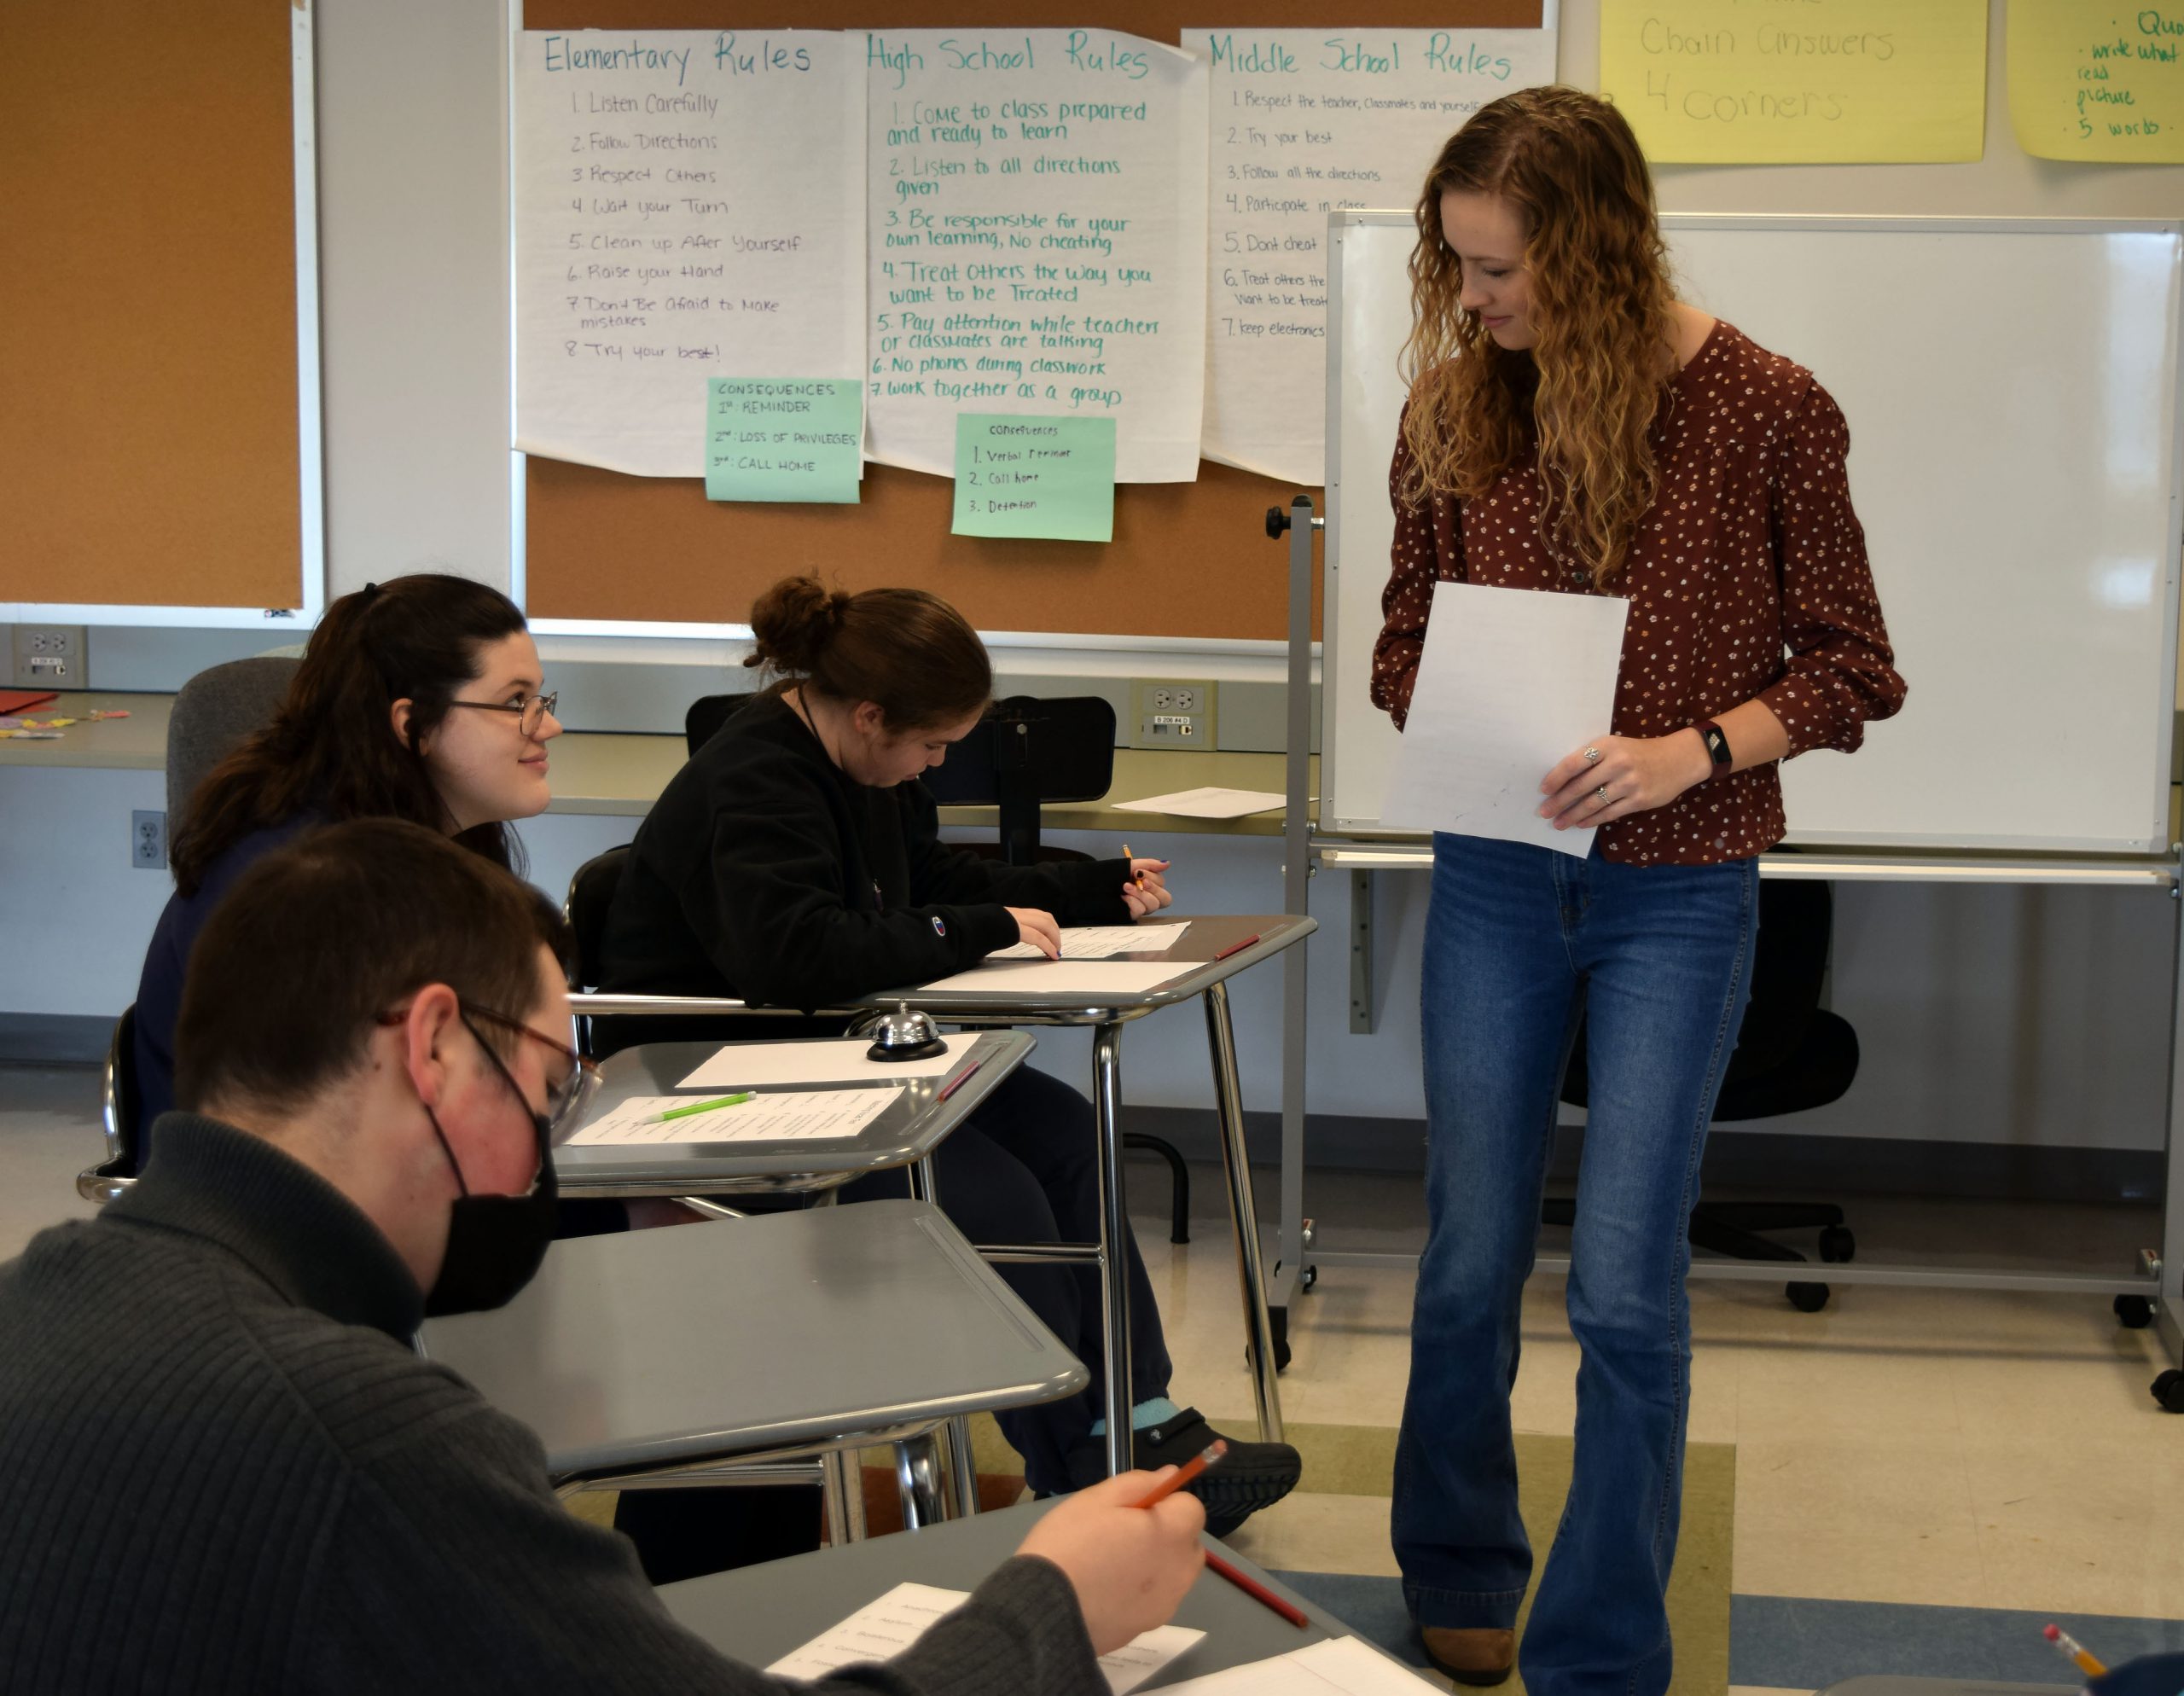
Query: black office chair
(707, 715)
(118, 1105)
(1025, 753)
(1793, 1055)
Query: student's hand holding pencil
(1145, 891)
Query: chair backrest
(591, 894)
(707, 715)
(216, 709)
(1026, 752)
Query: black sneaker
(1250, 1476)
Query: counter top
(621, 773)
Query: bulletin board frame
(310, 599)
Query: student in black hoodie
(796, 861)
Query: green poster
(1027, 474)
(783, 438)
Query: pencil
(1136, 877)
(2074, 1652)
(1190, 1469)
(1238, 947)
(701, 1107)
(1256, 1591)
(958, 1081)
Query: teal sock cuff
(1150, 1411)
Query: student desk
(905, 1135)
(661, 1356)
(760, 1613)
(1200, 972)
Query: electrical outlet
(47, 656)
(1165, 714)
(148, 842)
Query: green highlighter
(703, 1107)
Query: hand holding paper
(1511, 680)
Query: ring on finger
(1591, 754)
(1601, 793)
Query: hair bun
(793, 622)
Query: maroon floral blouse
(1747, 578)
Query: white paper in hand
(1511, 682)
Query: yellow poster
(1798, 82)
(2090, 79)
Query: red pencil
(958, 1081)
(1257, 1591)
(1237, 948)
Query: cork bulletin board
(1189, 559)
(149, 354)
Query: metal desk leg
(921, 1476)
(1243, 1214)
(1114, 1236)
(924, 1186)
(962, 1467)
(835, 1484)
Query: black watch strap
(1718, 747)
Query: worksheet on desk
(1338, 1666)
(757, 1065)
(1044, 976)
(806, 1115)
(890, 1625)
(1102, 941)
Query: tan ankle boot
(1477, 1657)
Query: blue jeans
(1519, 939)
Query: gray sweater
(224, 1470)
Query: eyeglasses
(532, 709)
(566, 1096)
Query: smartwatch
(1718, 747)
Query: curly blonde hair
(1588, 388)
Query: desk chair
(105, 1182)
(214, 710)
(1024, 753)
(707, 715)
(1793, 1055)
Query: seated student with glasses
(417, 699)
(226, 1469)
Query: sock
(1147, 1413)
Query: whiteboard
(2012, 387)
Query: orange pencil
(1183, 1475)
(1256, 1591)
(2077, 1653)
(1136, 877)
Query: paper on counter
(890, 1625)
(1100, 942)
(1092, 978)
(1512, 682)
(754, 1066)
(809, 1115)
(1338, 1666)
(1206, 803)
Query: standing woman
(1573, 428)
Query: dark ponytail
(910, 653)
(331, 748)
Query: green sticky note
(783, 438)
(1027, 474)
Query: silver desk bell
(905, 1034)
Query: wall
(2006, 1015)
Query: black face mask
(495, 1243)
